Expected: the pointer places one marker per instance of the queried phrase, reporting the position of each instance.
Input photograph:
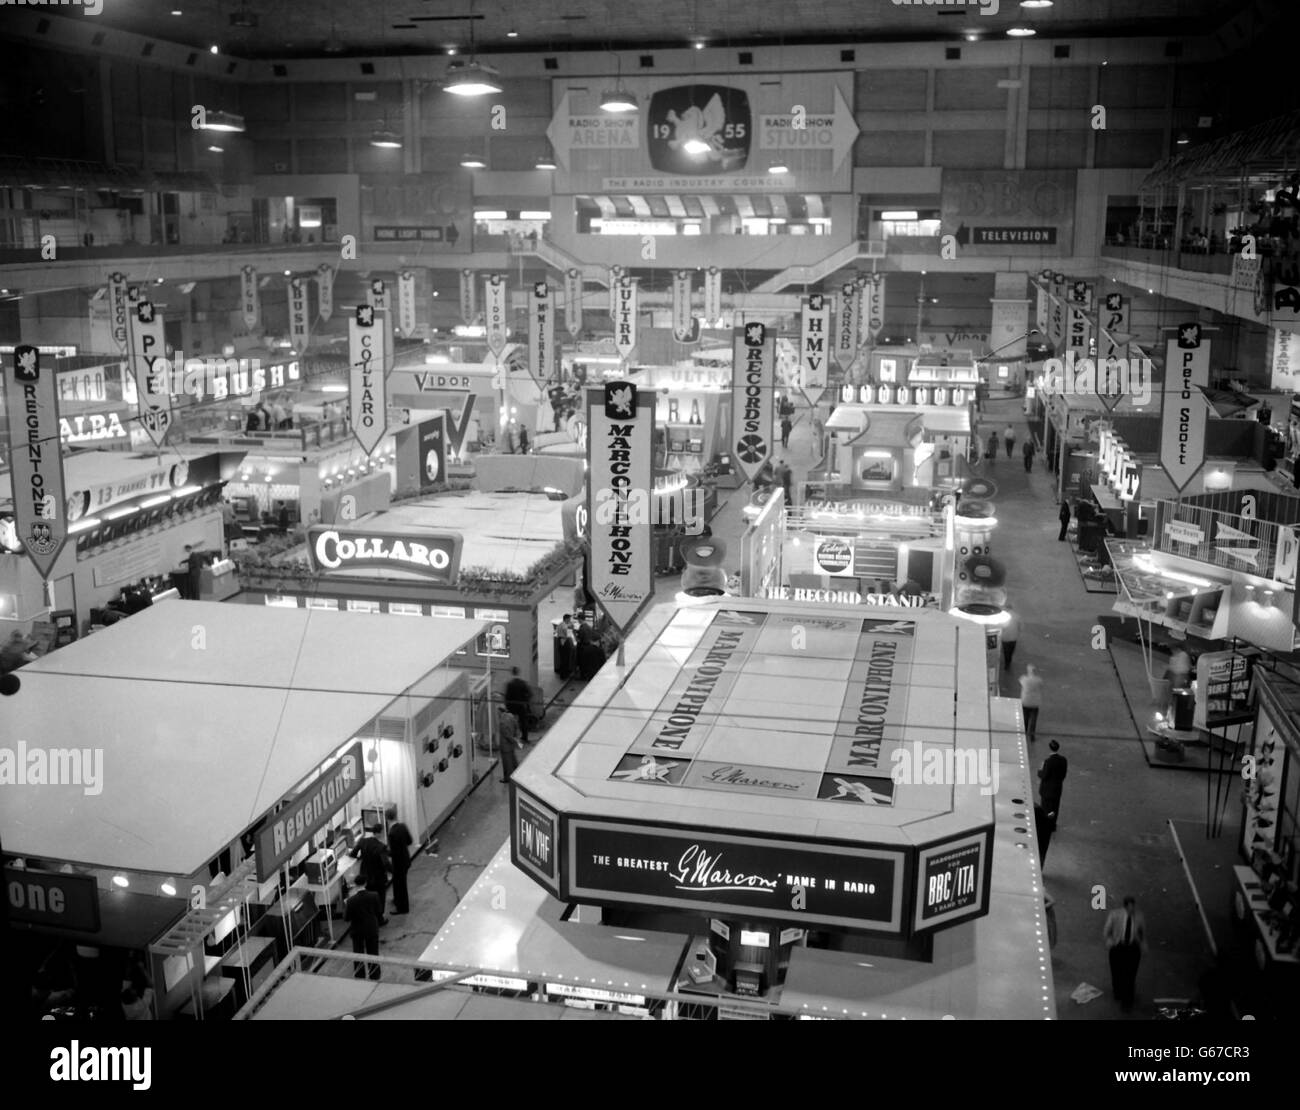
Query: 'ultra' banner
(625, 298)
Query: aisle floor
(1114, 836)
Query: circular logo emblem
(41, 539)
(834, 556)
(431, 467)
(77, 505)
(751, 449)
(180, 474)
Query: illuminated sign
(432, 555)
(952, 881)
(311, 811)
(83, 429)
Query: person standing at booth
(363, 912)
(566, 646)
(374, 868)
(519, 696)
(1064, 517)
(1010, 635)
(508, 737)
(400, 842)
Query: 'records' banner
(683, 321)
(712, 296)
(541, 332)
(814, 345)
(368, 357)
(573, 302)
(36, 463)
(494, 314)
(874, 295)
(325, 290)
(753, 367)
(378, 295)
(846, 326)
(153, 389)
(1183, 407)
(620, 448)
(406, 304)
(625, 297)
(119, 305)
(468, 296)
(615, 276)
(299, 323)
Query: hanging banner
(541, 332)
(753, 366)
(368, 393)
(406, 304)
(874, 295)
(468, 296)
(299, 324)
(1009, 328)
(35, 460)
(325, 290)
(615, 276)
(846, 326)
(683, 320)
(1078, 338)
(620, 475)
(814, 345)
(713, 297)
(625, 318)
(494, 314)
(378, 295)
(118, 307)
(860, 284)
(1286, 361)
(573, 302)
(153, 390)
(1056, 312)
(1040, 311)
(1183, 405)
(1113, 320)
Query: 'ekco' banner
(36, 463)
(494, 314)
(1183, 407)
(573, 301)
(874, 294)
(625, 317)
(367, 360)
(814, 345)
(299, 325)
(620, 476)
(753, 365)
(683, 321)
(541, 332)
(406, 304)
(148, 344)
(325, 290)
(846, 327)
(468, 296)
(712, 296)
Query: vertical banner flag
(712, 296)
(1078, 339)
(625, 318)
(541, 332)
(573, 301)
(875, 298)
(494, 314)
(860, 285)
(1040, 309)
(378, 295)
(1183, 405)
(620, 475)
(119, 306)
(814, 345)
(36, 463)
(1114, 322)
(846, 326)
(153, 388)
(1056, 313)
(299, 324)
(406, 304)
(615, 276)
(367, 359)
(468, 296)
(683, 319)
(325, 290)
(753, 365)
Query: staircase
(819, 271)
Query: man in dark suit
(362, 912)
(374, 868)
(1051, 778)
(399, 846)
(519, 696)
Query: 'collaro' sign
(434, 555)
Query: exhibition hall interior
(737, 470)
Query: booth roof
(206, 715)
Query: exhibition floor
(1114, 835)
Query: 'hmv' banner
(814, 345)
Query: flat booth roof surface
(206, 715)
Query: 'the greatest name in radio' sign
(310, 812)
(732, 876)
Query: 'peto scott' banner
(1183, 406)
(753, 368)
(620, 474)
(36, 460)
(310, 812)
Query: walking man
(1044, 826)
(1051, 778)
(1028, 452)
(399, 846)
(362, 911)
(786, 428)
(1126, 938)
(508, 734)
(1064, 517)
(1009, 436)
(1010, 634)
(1031, 697)
(993, 447)
(519, 696)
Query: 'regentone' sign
(36, 458)
(431, 555)
(308, 813)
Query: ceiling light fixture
(1183, 138)
(217, 149)
(620, 100)
(214, 49)
(472, 162)
(218, 120)
(1036, 3)
(546, 162)
(385, 139)
(1021, 32)
(512, 34)
(778, 167)
(471, 78)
